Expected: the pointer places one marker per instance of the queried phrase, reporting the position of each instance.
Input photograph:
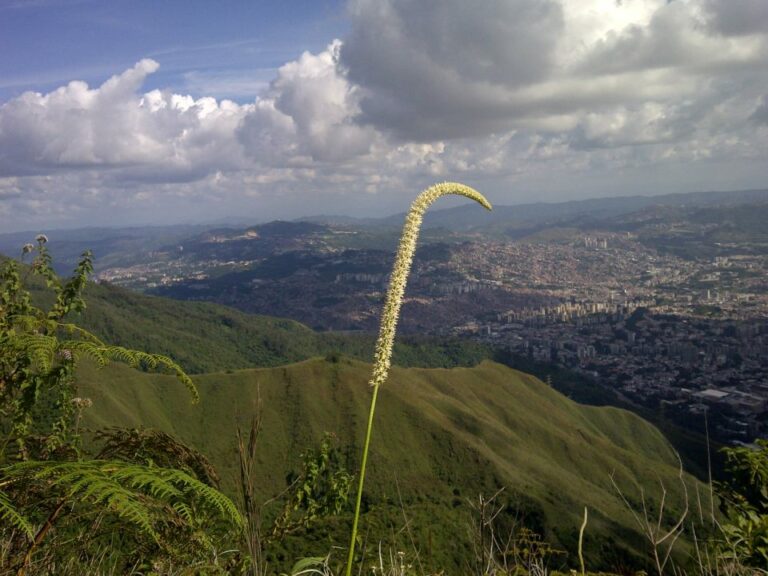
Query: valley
(666, 304)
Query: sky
(143, 112)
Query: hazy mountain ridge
(469, 217)
(110, 246)
(123, 246)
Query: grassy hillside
(206, 337)
(202, 337)
(441, 436)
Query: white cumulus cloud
(522, 96)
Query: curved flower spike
(402, 267)
(391, 313)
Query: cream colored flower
(82, 403)
(402, 267)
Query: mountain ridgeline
(121, 247)
(443, 437)
(204, 337)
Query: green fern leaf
(134, 492)
(41, 349)
(183, 510)
(10, 516)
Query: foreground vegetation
(121, 508)
(140, 500)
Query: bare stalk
(581, 543)
(654, 531)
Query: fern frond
(12, 518)
(82, 333)
(158, 360)
(119, 354)
(205, 493)
(92, 482)
(137, 358)
(103, 354)
(41, 349)
(147, 479)
(88, 349)
(132, 491)
(165, 451)
(183, 510)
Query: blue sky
(47, 43)
(121, 113)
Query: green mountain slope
(201, 337)
(441, 436)
(205, 337)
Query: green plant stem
(40, 536)
(361, 482)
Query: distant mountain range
(110, 246)
(458, 218)
(468, 217)
(120, 246)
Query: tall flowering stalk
(391, 313)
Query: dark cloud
(669, 40)
(760, 115)
(444, 68)
(737, 17)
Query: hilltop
(442, 437)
